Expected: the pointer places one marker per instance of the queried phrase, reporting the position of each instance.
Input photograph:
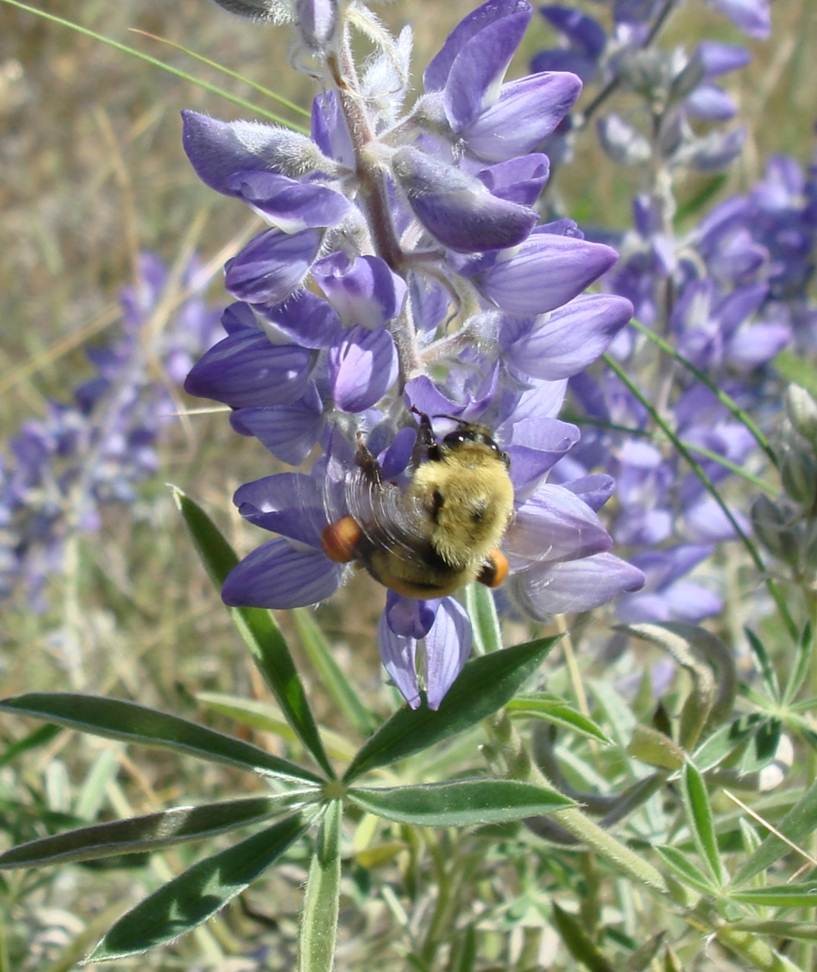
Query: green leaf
(558, 712)
(578, 942)
(701, 199)
(802, 662)
(700, 821)
(483, 686)
(337, 686)
(197, 893)
(139, 834)
(802, 931)
(39, 737)
(247, 712)
(134, 723)
(797, 368)
(726, 739)
(460, 803)
(680, 864)
(484, 620)
(258, 629)
(797, 827)
(779, 896)
(319, 922)
(764, 664)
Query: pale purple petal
(543, 272)
(535, 445)
(272, 265)
(448, 645)
(278, 575)
(363, 367)
(577, 585)
(526, 112)
(456, 208)
(595, 489)
(363, 291)
(568, 339)
(711, 103)
(553, 524)
(398, 654)
(751, 16)
(755, 344)
(289, 204)
(719, 58)
(519, 180)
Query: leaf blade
(319, 922)
(197, 893)
(257, 627)
(485, 684)
(150, 727)
(460, 803)
(701, 822)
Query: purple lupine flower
(441, 293)
(66, 467)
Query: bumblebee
(442, 529)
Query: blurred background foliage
(93, 173)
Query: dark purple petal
(518, 180)
(512, 16)
(245, 370)
(568, 339)
(397, 652)
(583, 31)
(664, 567)
(553, 524)
(288, 431)
(543, 272)
(363, 367)
(577, 585)
(526, 112)
(219, 150)
(448, 645)
(363, 291)
(239, 317)
(409, 617)
(272, 265)
(290, 205)
(565, 59)
(302, 319)
(329, 129)
(288, 503)
(456, 208)
(278, 575)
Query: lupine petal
(362, 367)
(594, 490)
(535, 445)
(448, 645)
(755, 344)
(519, 180)
(302, 319)
(456, 208)
(568, 339)
(289, 204)
(288, 431)
(543, 272)
(278, 575)
(576, 585)
(272, 265)
(329, 129)
(410, 617)
(583, 31)
(711, 103)
(290, 504)
(526, 112)
(719, 58)
(398, 654)
(218, 150)
(751, 16)
(565, 59)
(363, 291)
(245, 370)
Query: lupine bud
(798, 470)
(317, 22)
(774, 528)
(801, 410)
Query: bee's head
(467, 433)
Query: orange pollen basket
(340, 539)
(501, 567)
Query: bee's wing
(389, 517)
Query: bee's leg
(426, 446)
(368, 462)
(494, 570)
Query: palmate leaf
(701, 822)
(319, 922)
(258, 629)
(558, 712)
(154, 830)
(483, 686)
(779, 896)
(197, 893)
(460, 803)
(134, 723)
